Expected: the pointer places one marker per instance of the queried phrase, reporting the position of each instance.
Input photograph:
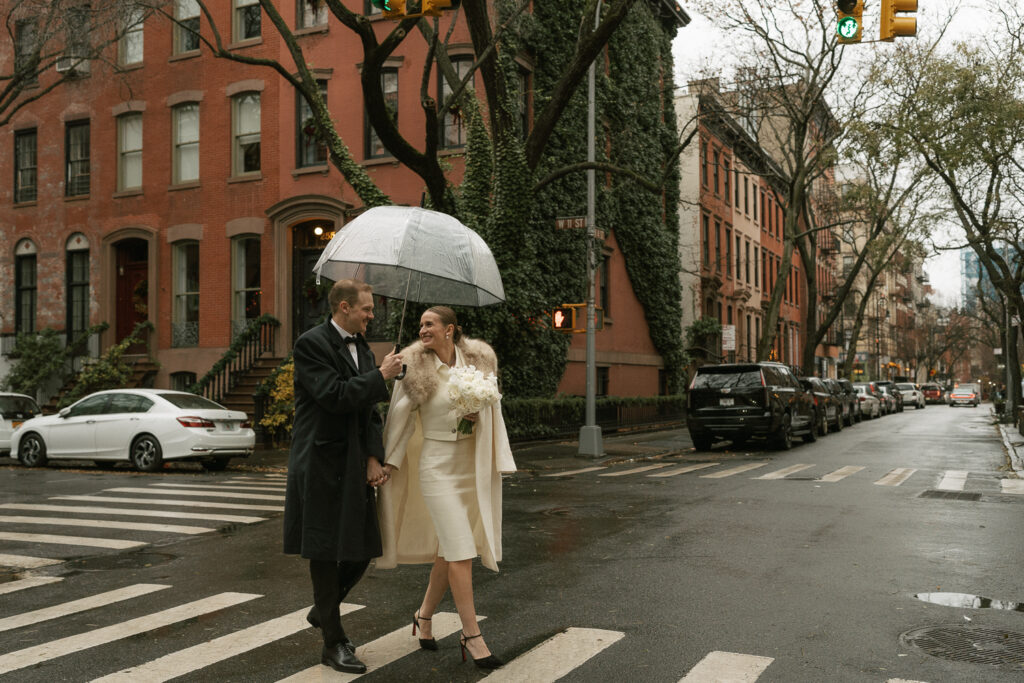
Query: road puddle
(968, 601)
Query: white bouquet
(470, 390)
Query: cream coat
(406, 527)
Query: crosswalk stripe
(841, 473)
(218, 487)
(43, 652)
(131, 512)
(107, 524)
(566, 474)
(896, 476)
(28, 582)
(785, 472)
(172, 501)
(208, 494)
(69, 540)
(26, 561)
(556, 656)
(684, 470)
(384, 650)
(953, 480)
(635, 470)
(902, 680)
(734, 470)
(81, 605)
(727, 667)
(1012, 485)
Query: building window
(129, 151)
(186, 30)
(604, 294)
(185, 138)
(182, 381)
(185, 314)
(25, 166)
(714, 170)
(389, 84)
(771, 217)
(129, 48)
(76, 152)
(764, 216)
(26, 57)
(77, 278)
(746, 262)
(246, 124)
(312, 151)
(737, 189)
(247, 19)
(453, 129)
(245, 280)
(704, 164)
(756, 190)
(707, 242)
(602, 381)
(312, 13)
(718, 246)
(746, 195)
(25, 288)
(725, 179)
(739, 260)
(757, 258)
(728, 252)
(750, 351)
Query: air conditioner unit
(72, 65)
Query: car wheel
(839, 421)
(146, 454)
(702, 442)
(784, 437)
(32, 451)
(216, 465)
(814, 429)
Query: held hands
(377, 475)
(391, 365)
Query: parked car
(890, 404)
(912, 395)
(965, 395)
(932, 393)
(890, 388)
(14, 409)
(143, 426)
(737, 401)
(870, 403)
(847, 399)
(827, 409)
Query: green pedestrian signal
(383, 5)
(849, 16)
(846, 27)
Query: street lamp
(880, 305)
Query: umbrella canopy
(414, 254)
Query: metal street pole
(590, 442)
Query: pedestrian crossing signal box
(572, 318)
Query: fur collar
(421, 375)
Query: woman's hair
(447, 317)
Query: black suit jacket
(329, 508)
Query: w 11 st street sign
(577, 223)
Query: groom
(330, 516)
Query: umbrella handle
(405, 367)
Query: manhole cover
(124, 561)
(968, 643)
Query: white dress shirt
(351, 347)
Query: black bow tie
(351, 339)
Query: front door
(310, 304)
(132, 256)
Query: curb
(1016, 461)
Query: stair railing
(241, 356)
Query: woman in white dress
(443, 502)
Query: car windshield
(18, 404)
(905, 387)
(191, 401)
(744, 379)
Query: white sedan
(143, 426)
(14, 409)
(912, 394)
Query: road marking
(69, 540)
(27, 562)
(784, 472)
(75, 606)
(953, 480)
(1012, 485)
(172, 501)
(896, 476)
(566, 474)
(108, 524)
(734, 470)
(902, 680)
(841, 473)
(684, 470)
(635, 470)
(132, 512)
(28, 582)
(727, 667)
(219, 487)
(557, 656)
(208, 494)
(383, 651)
(217, 650)
(43, 652)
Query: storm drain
(968, 643)
(950, 495)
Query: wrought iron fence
(240, 357)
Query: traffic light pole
(590, 442)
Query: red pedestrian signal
(563, 318)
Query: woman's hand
(376, 475)
(472, 417)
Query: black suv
(737, 401)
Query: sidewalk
(1014, 442)
(542, 455)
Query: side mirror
(64, 412)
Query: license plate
(15, 424)
(726, 401)
(229, 426)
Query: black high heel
(425, 643)
(488, 662)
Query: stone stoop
(240, 397)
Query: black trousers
(331, 583)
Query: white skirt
(448, 485)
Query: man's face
(354, 318)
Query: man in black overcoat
(330, 515)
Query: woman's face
(432, 332)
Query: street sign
(728, 337)
(571, 222)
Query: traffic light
(563, 319)
(849, 22)
(383, 5)
(400, 9)
(892, 26)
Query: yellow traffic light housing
(563, 319)
(892, 26)
(401, 9)
(849, 20)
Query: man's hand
(375, 474)
(391, 365)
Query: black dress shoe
(341, 658)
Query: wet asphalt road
(814, 578)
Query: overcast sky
(700, 48)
